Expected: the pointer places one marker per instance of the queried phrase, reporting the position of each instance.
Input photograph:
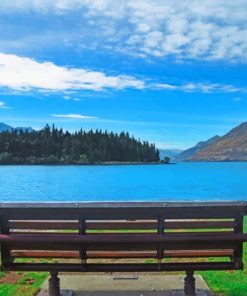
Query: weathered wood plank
(121, 267)
(122, 254)
(121, 238)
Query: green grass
(28, 285)
(229, 283)
(8, 290)
(225, 283)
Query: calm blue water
(183, 181)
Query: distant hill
(4, 127)
(231, 147)
(172, 153)
(189, 153)
(28, 129)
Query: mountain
(4, 127)
(172, 153)
(28, 129)
(189, 153)
(231, 147)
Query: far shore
(107, 163)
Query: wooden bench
(122, 237)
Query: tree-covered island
(55, 146)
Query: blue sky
(171, 72)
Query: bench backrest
(122, 236)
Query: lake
(182, 181)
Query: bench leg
(54, 284)
(189, 284)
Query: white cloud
(3, 105)
(67, 98)
(188, 29)
(201, 87)
(25, 74)
(165, 86)
(22, 73)
(73, 116)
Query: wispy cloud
(3, 105)
(203, 87)
(165, 86)
(26, 74)
(73, 116)
(67, 98)
(22, 73)
(190, 29)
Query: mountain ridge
(172, 153)
(188, 153)
(5, 127)
(230, 147)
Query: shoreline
(108, 163)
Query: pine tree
(51, 145)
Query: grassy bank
(229, 283)
(223, 283)
(21, 284)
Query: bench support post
(54, 284)
(189, 284)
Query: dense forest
(53, 146)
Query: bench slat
(115, 225)
(53, 233)
(46, 225)
(120, 267)
(117, 242)
(127, 247)
(121, 254)
(123, 238)
(199, 224)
